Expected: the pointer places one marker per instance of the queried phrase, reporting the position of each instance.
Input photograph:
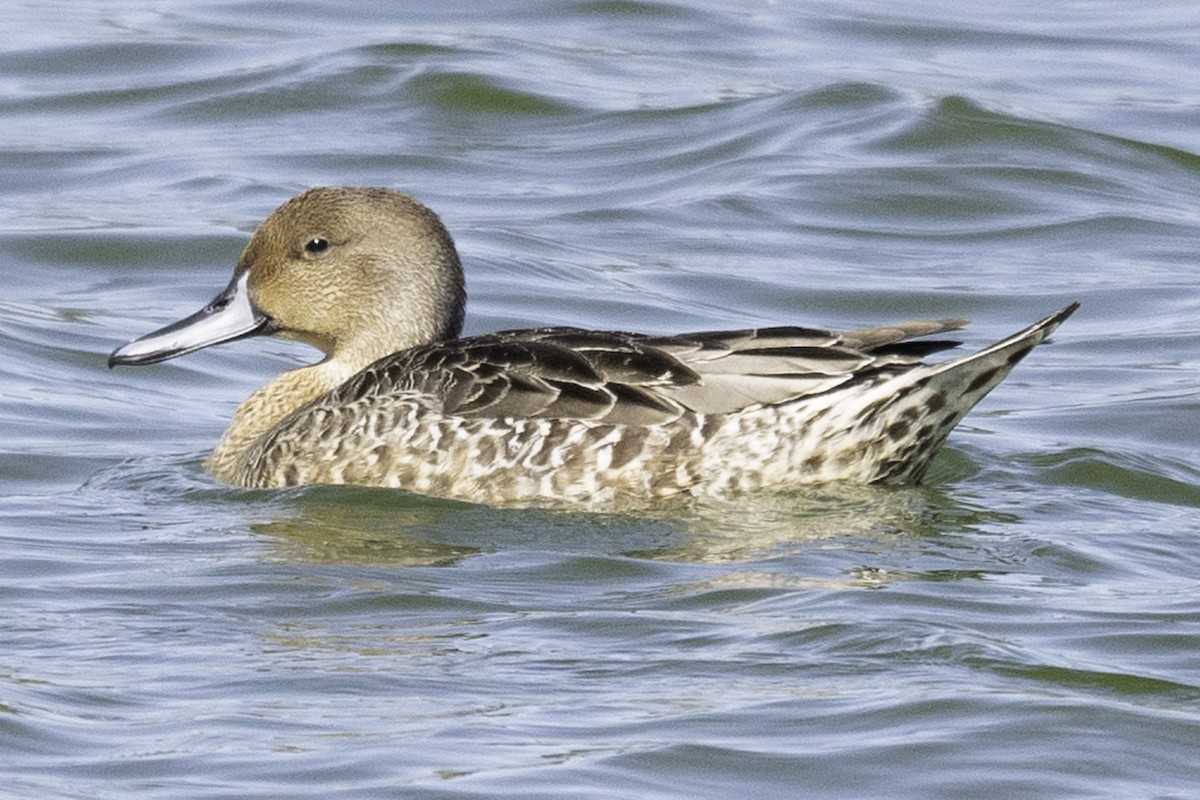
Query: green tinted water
(1025, 625)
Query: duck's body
(555, 414)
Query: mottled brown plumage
(372, 279)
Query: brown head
(356, 272)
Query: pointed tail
(942, 394)
(987, 367)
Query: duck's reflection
(383, 526)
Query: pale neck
(267, 406)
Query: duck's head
(355, 272)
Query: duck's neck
(261, 411)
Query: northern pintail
(371, 278)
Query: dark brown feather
(632, 379)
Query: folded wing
(635, 379)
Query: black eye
(317, 244)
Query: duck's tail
(938, 396)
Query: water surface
(1026, 624)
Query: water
(1026, 625)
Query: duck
(371, 278)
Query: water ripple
(651, 165)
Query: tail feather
(1008, 351)
(941, 394)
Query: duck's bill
(229, 316)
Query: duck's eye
(317, 244)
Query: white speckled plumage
(555, 414)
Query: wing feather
(633, 379)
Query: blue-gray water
(1026, 625)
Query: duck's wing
(634, 379)
(768, 366)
